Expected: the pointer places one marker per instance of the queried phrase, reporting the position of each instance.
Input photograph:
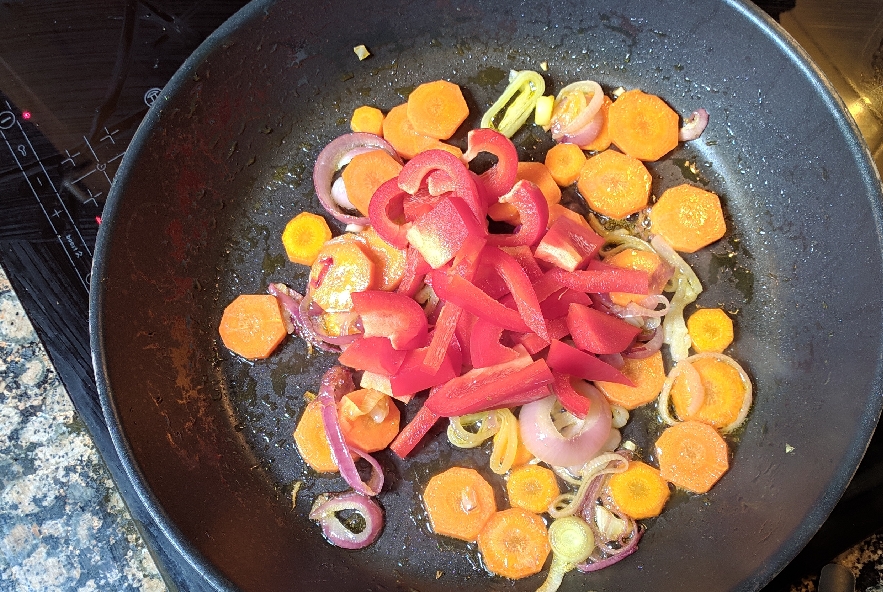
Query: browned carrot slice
(538, 173)
(642, 125)
(639, 491)
(692, 455)
(253, 326)
(459, 502)
(532, 487)
(436, 109)
(514, 543)
(368, 419)
(711, 330)
(365, 173)
(311, 441)
(304, 236)
(564, 162)
(408, 142)
(688, 218)
(648, 376)
(614, 184)
(367, 119)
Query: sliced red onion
(339, 194)
(621, 554)
(586, 117)
(694, 387)
(325, 513)
(545, 442)
(615, 360)
(333, 157)
(587, 134)
(694, 125)
(291, 301)
(336, 382)
(645, 349)
(310, 318)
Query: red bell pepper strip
(482, 389)
(601, 278)
(520, 287)
(571, 400)
(598, 332)
(463, 293)
(464, 265)
(416, 268)
(499, 179)
(458, 179)
(441, 233)
(569, 360)
(568, 245)
(526, 260)
(413, 432)
(386, 213)
(485, 347)
(373, 354)
(533, 210)
(414, 376)
(393, 315)
(533, 343)
(558, 304)
(463, 332)
(420, 203)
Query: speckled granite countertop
(63, 525)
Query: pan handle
(836, 578)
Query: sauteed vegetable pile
(483, 301)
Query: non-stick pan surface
(224, 159)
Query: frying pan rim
(212, 573)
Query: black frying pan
(223, 160)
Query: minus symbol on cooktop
(7, 119)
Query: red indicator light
(98, 219)
(25, 115)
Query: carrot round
(711, 330)
(643, 125)
(724, 393)
(648, 376)
(311, 440)
(304, 236)
(522, 454)
(538, 173)
(532, 487)
(368, 419)
(557, 210)
(639, 492)
(365, 173)
(436, 109)
(688, 218)
(564, 162)
(367, 119)
(253, 326)
(459, 502)
(408, 142)
(639, 260)
(692, 455)
(614, 184)
(602, 141)
(389, 261)
(342, 267)
(514, 543)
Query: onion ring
(291, 301)
(333, 157)
(325, 513)
(585, 117)
(621, 554)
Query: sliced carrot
(408, 142)
(639, 260)
(514, 543)
(557, 210)
(532, 487)
(311, 441)
(253, 326)
(688, 218)
(602, 141)
(304, 236)
(459, 502)
(504, 212)
(342, 267)
(436, 109)
(614, 184)
(639, 491)
(643, 125)
(369, 419)
(564, 162)
(711, 330)
(367, 119)
(338, 324)
(389, 261)
(522, 454)
(538, 173)
(724, 394)
(692, 455)
(648, 376)
(365, 173)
